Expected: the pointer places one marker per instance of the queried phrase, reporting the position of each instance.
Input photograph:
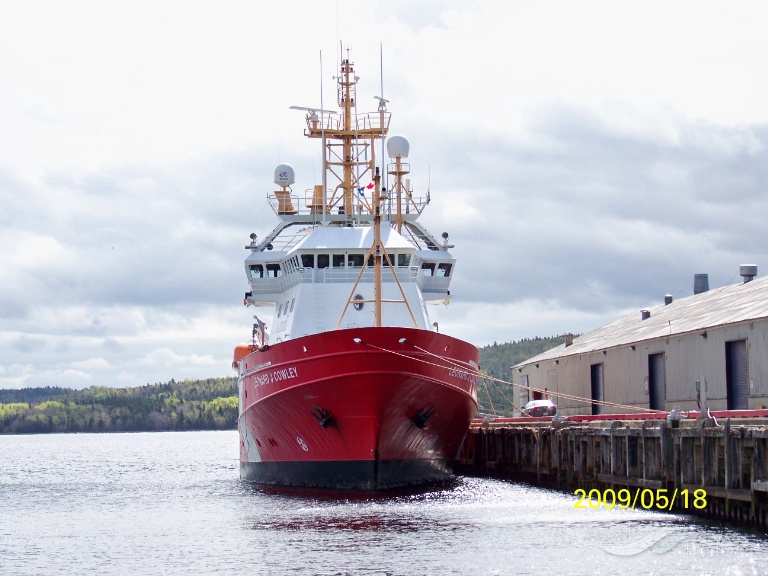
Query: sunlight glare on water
(172, 503)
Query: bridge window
(355, 260)
(308, 260)
(323, 260)
(444, 270)
(428, 268)
(273, 270)
(257, 270)
(338, 260)
(403, 259)
(371, 260)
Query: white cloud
(168, 357)
(91, 364)
(586, 158)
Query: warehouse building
(712, 344)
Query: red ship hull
(358, 409)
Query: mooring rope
(490, 401)
(479, 374)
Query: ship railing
(272, 285)
(371, 121)
(290, 206)
(365, 123)
(405, 274)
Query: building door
(524, 391)
(736, 374)
(657, 384)
(597, 387)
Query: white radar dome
(398, 146)
(284, 175)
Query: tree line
(497, 360)
(209, 404)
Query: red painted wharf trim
(693, 414)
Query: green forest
(209, 404)
(189, 405)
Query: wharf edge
(725, 457)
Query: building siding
(687, 357)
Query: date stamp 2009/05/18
(646, 498)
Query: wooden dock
(660, 463)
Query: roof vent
(700, 283)
(667, 299)
(748, 271)
(568, 340)
(645, 314)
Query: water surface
(171, 503)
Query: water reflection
(185, 511)
(362, 523)
(337, 496)
(392, 512)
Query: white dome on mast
(398, 146)
(284, 175)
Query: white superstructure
(327, 265)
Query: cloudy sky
(585, 157)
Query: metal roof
(349, 238)
(717, 307)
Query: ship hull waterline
(356, 409)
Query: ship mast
(350, 137)
(378, 249)
(347, 91)
(346, 141)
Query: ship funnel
(398, 146)
(748, 272)
(284, 175)
(700, 283)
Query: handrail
(285, 281)
(306, 205)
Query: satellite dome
(284, 175)
(398, 146)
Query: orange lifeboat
(241, 351)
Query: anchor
(322, 416)
(420, 418)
